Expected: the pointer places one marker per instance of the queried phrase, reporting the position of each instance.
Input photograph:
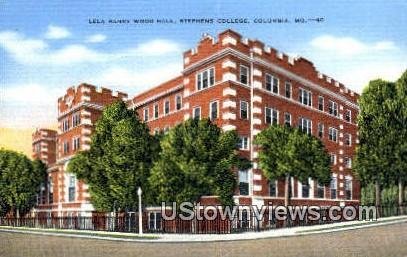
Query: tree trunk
(378, 198)
(401, 196)
(287, 196)
(287, 190)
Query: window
(348, 188)
(243, 143)
(305, 189)
(305, 97)
(348, 115)
(320, 191)
(333, 187)
(333, 158)
(156, 131)
(197, 113)
(50, 191)
(213, 108)
(272, 83)
(244, 182)
(76, 119)
(271, 116)
(154, 220)
(273, 188)
(320, 130)
(146, 114)
(66, 147)
(348, 139)
(287, 119)
(244, 107)
(178, 102)
(76, 142)
(333, 134)
(65, 125)
(347, 161)
(305, 125)
(244, 74)
(333, 108)
(166, 129)
(166, 107)
(288, 89)
(38, 148)
(205, 79)
(156, 111)
(321, 103)
(71, 188)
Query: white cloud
(134, 81)
(156, 47)
(56, 32)
(349, 46)
(28, 105)
(96, 38)
(37, 52)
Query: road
(383, 241)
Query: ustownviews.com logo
(192, 211)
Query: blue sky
(47, 46)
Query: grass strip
(348, 226)
(81, 232)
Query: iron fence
(153, 222)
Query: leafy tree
(287, 152)
(119, 160)
(377, 121)
(401, 141)
(20, 180)
(197, 159)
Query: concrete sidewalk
(175, 238)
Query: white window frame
(145, 114)
(247, 109)
(272, 85)
(350, 115)
(272, 112)
(333, 134)
(197, 108)
(333, 107)
(291, 90)
(76, 144)
(164, 107)
(334, 177)
(179, 96)
(290, 122)
(199, 78)
(323, 103)
(245, 143)
(240, 74)
(304, 92)
(156, 110)
(308, 125)
(323, 129)
(217, 109)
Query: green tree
(119, 160)
(197, 159)
(401, 141)
(376, 161)
(287, 152)
(20, 180)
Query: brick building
(78, 111)
(241, 85)
(244, 85)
